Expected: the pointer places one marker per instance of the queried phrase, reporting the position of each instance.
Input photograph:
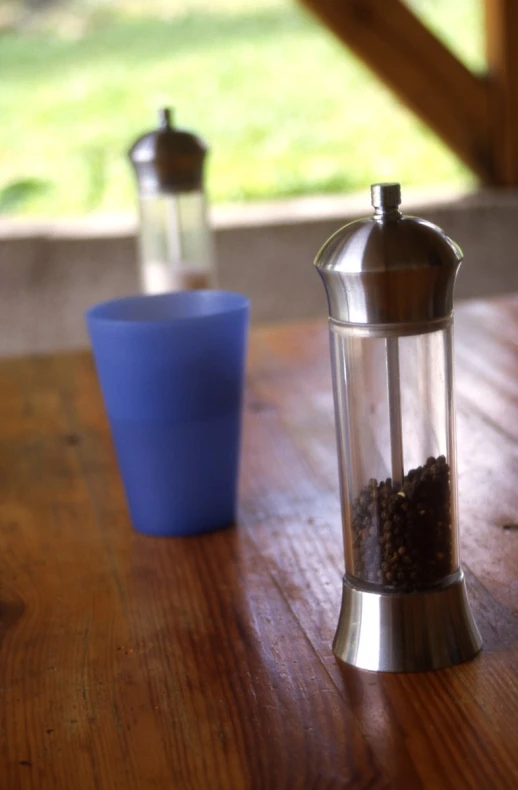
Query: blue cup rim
(197, 305)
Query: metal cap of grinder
(389, 268)
(168, 160)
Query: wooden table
(133, 662)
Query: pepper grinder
(389, 281)
(175, 238)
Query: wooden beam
(502, 56)
(421, 70)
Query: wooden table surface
(136, 662)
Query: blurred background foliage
(284, 107)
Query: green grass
(285, 108)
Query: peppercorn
(406, 528)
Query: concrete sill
(55, 269)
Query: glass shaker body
(175, 242)
(395, 426)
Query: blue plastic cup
(171, 369)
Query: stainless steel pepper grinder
(389, 281)
(176, 251)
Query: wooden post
(502, 78)
(476, 116)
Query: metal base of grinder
(406, 632)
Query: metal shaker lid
(168, 159)
(389, 268)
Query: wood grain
(132, 662)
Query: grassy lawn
(285, 108)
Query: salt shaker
(175, 239)
(389, 281)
